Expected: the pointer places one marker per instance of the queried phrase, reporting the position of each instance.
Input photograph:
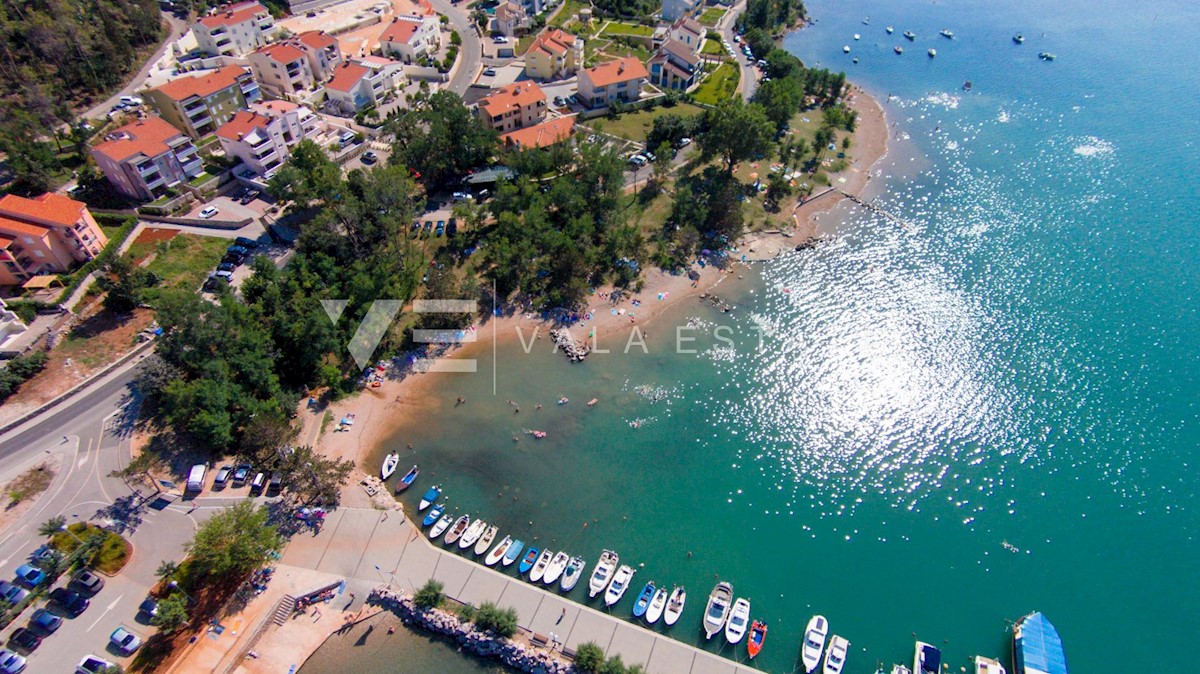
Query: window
(38, 253)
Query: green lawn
(621, 28)
(570, 10)
(711, 16)
(720, 85)
(635, 125)
(713, 47)
(110, 557)
(183, 262)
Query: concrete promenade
(353, 542)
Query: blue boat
(433, 515)
(513, 551)
(409, 477)
(1037, 648)
(429, 497)
(643, 600)
(530, 558)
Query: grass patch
(111, 555)
(635, 125)
(622, 28)
(183, 262)
(720, 85)
(711, 16)
(524, 44)
(30, 483)
(713, 48)
(568, 12)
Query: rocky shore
(575, 350)
(484, 644)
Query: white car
(91, 664)
(208, 212)
(500, 39)
(131, 101)
(11, 663)
(125, 641)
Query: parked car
(223, 472)
(237, 250)
(461, 196)
(88, 582)
(45, 622)
(45, 555)
(11, 663)
(25, 639)
(276, 483)
(131, 101)
(241, 474)
(249, 196)
(70, 601)
(208, 212)
(490, 72)
(500, 39)
(30, 575)
(637, 161)
(346, 138)
(226, 266)
(148, 607)
(684, 142)
(259, 481)
(246, 242)
(124, 641)
(90, 664)
(11, 593)
(214, 282)
(650, 156)
(369, 157)
(224, 274)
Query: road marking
(82, 461)
(108, 608)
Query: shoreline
(405, 398)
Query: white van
(195, 481)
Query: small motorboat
(910, 35)
(472, 534)
(946, 33)
(1019, 39)
(440, 528)
(890, 30)
(1046, 56)
(429, 497)
(572, 574)
(539, 567)
(592, 402)
(563, 400)
(389, 465)
(967, 85)
(620, 583)
(409, 477)
(675, 606)
(932, 53)
(486, 539)
(459, 528)
(739, 620)
(718, 609)
(867, 21)
(758, 634)
(988, 666)
(927, 659)
(556, 567)
(814, 642)
(499, 551)
(898, 49)
(857, 36)
(643, 601)
(835, 657)
(514, 551)
(854, 60)
(528, 560)
(901, 669)
(846, 49)
(657, 605)
(603, 573)
(434, 513)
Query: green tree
(315, 478)
(172, 613)
(780, 99)
(166, 569)
(735, 131)
(664, 162)
(234, 542)
(309, 177)
(589, 657)
(430, 595)
(124, 282)
(440, 138)
(52, 526)
(778, 187)
(498, 621)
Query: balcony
(199, 124)
(195, 111)
(193, 168)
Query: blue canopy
(1039, 649)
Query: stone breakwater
(574, 350)
(484, 644)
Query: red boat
(758, 634)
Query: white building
(407, 37)
(675, 9)
(263, 136)
(282, 70)
(620, 80)
(234, 30)
(363, 83)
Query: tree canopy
(734, 132)
(440, 138)
(234, 542)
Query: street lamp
(73, 535)
(175, 586)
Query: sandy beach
(405, 398)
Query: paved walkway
(373, 547)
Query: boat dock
(873, 208)
(373, 548)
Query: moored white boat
(985, 665)
(657, 605)
(440, 528)
(429, 497)
(555, 568)
(675, 605)
(486, 539)
(932, 53)
(603, 573)
(389, 465)
(620, 583)
(814, 642)
(571, 575)
(459, 528)
(739, 620)
(717, 611)
(835, 657)
(498, 552)
(539, 567)
(472, 534)
(901, 669)
(927, 659)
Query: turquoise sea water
(987, 410)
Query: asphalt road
(749, 78)
(177, 29)
(470, 54)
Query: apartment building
(234, 30)
(46, 234)
(553, 54)
(363, 83)
(323, 52)
(512, 107)
(620, 80)
(408, 37)
(283, 70)
(675, 66)
(511, 17)
(262, 137)
(198, 104)
(673, 10)
(144, 159)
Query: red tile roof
(233, 15)
(401, 30)
(541, 135)
(201, 85)
(346, 76)
(148, 137)
(621, 70)
(49, 207)
(11, 226)
(282, 53)
(317, 39)
(512, 97)
(243, 123)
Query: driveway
(228, 210)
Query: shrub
(498, 621)
(589, 657)
(430, 595)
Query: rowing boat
(643, 600)
(456, 531)
(389, 465)
(603, 573)
(486, 540)
(835, 657)
(620, 583)
(472, 534)
(441, 526)
(514, 551)
(434, 513)
(739, 620)
(409, 477)
(718, 609)
(527, 562)
(758, 634)
(429, 497)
